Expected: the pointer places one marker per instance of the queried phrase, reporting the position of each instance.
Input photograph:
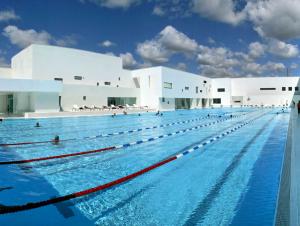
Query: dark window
(58, 79)
(221, 90)
(237, 101)
(119, 78)
(296, 88)
(283, 88)
(204, 81)
(290, 88)
(97, 83)
(78, 77)
(107, 83)
(168, 85)
(200, 90)
(217, 100)
(84, 97)
(186, 88)
(163, 99)
(267, 88)
(197, 89)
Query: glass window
(290, 88)
(296, 88)
(78, 77)
(84, 97)
(107, 83)
(221, 90)
(163, 99)
(186, 88)
(168, 85)
(58, 79)
(97, 83)
(217, 100)
(267, 88)
(121, 101)
(283, 88)
(197, 89)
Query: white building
(49, 79)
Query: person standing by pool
(298, 107)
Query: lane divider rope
(13, 162)
(32, 205)
(109, 134)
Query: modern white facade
(50, 79)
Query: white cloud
(3, 62)
(107, 44)
(211, 41)
(278, 19)
(113, 3)
(181, 66)
(128, 60)
(24, 38)
(282, 49)
(158, 11)
(177, 41)
(168, 42)
(8, 15)
(68, 40)
(219, 10)
(294, 66)
(256, 49)
(217, 57)
(152, 51)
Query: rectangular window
(267, 88)
(217, 100)
(186, 88)
(168, 85)
(200, 90)
(163, 99)
(97, 83)
(220, 90)
(283, 88)
(290, 88)
(84, 97)
(296, 88)
(107, 83)
(78, 77)
(119, 78)
(197, 89)
(58, 79)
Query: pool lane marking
(111, 134)
(32, 205)
(114, 147)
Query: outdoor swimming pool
(221, 169)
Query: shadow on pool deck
(288, 211)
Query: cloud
(24, 38)
(256, 49)
(128, 60)
(177, 41)
(282, 49)
(181, 66)
(158, 11)
(217, 57)
(107, 44)
(168, 42)
(68, 40)
(219, 10)
(124, 4)
(211, 41)
(153, 52)
(3, 62)
(8, 15)
(278, 19)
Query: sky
(215, 38)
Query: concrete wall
(44, 102)
(22, 65)
(5, 72)
(73, 94)
(222, 83)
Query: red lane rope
(57, 156)
(33, 205)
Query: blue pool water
(232, 180)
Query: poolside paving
(295, 170)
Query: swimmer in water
(37, 125)
(56, 139)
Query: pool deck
(79, 113)
(295, 170)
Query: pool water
(230, 180)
